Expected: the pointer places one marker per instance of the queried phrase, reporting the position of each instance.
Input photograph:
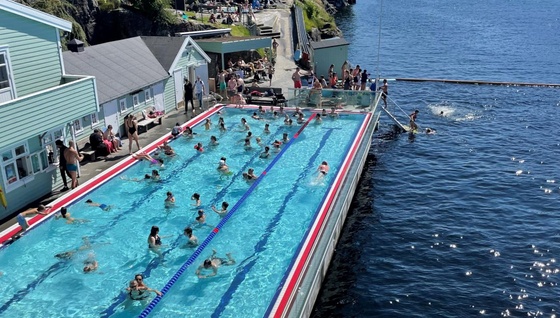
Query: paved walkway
(279, 19)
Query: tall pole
(379, 42)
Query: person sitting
(97, 144)
(212, 19)
(176, 130)
(110, 136)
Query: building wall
(169, 95)
(323, 58)
(34, 53)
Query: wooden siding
(26, 117)
(169, 95)
(34, 53)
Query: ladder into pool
(390, 102)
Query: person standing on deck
(199, 89)
(296, 78)
(188, 93)
(413, 116)
(274, 46)
(72, 158)
(62, 163)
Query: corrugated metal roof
(120, 67)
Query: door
(158, 97)
(178, 80)
(111, 114)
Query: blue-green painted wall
(34, 53)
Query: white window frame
(94, 120)
(135, 101)
(4, 50)
(122, 102)
(48, 142)
(148, 95)
(15, 180)
(78, 127)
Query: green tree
(156, 10)
(64, 10)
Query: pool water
(263, 233)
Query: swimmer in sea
(250, 176)
(169, 200)
(196, 198)
(212, 263)
(102, 206)
(266, 153)
(223, 211)
(193, 240)
(90, 264)
(69, 219)
(430, 131)
(147, 157)
(201, 218)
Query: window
(94, 120)
(122, 105)
(7, 91)
(51, 153)
(16, 166)
(135, 100)
(78, 126)
(147, 94)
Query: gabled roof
(332, 42)
(120, 67)
(168, 50)
(34, 14)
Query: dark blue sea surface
(465, 222)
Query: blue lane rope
(218, 227)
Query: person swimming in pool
(207, 124)
(244, 125)
(213, 141)
(318, 119)
(196, 198)
(150, 159)
(247, 144)
(223, 211)
(285, 138)
(22, 221)
(139, 278)
(223, 167)
(169, 201)
(90, 264)
(138, 293)
(102, 206)
(201, 218)
(258, 140)
(192, 239)
(64, 214)
(266, 129)
(323, 168)
(154, 241)
(266, 153)
(86, 245)
(213, 263)
(188, 133)
(250, 176)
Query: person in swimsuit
(136, 292)
(323, 169)
(266, 153)
(193, 240)
(22, 221)
(223, 211)
(64, 214)
(318, 119)
(212, 263)
(214, 141)
(139, 278)
(199, 147)
(167, 149)
(131, 126)
(102, 206)
(72, 158)
(154, 241)
(222, 166)
(90, 264)
(188, 132)
(207, 124)
(412, 121)
(250, 176)
(384, 91)
(201, 218)
(150, 159)
(169, 200)
(86, 245)
(196, 198)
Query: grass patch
(239, 30)
(314, 14)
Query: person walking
(199, 90)
(188, 93)
(62, 164)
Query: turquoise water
(262, 234)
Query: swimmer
(212, 263)
(324, 112)
(288, 122)
(266, 153)
(271, 109)
(147, 157)
(441, 113)
(139, 278)
(176, 130)
(196, 198)
(169, 200)
(323, 169)
(333, 113)
(199, 147)
(102, 206)
(154, 241)
(193, 240)
(266, 129)
(167, 149)
(221, 120)
(201, 218)
(222, 166)
(297, 112)
(281, 110)
(262, 110)
(274, 114)
(222, 127)
(69, 219)
(188, 133)
(247, 144)
(255, 116)
(90, 264)
(258, 140)
(136, 293)
(213, 141)
(86, 245)
(250, 175)
(22, 221)
(223, 211)
(300, 119)
(318, 119)
(285, 138)
(276, 145)
(244, 125)
(430, 131)
(207, 124)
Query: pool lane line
(215, 231)
(154, 263)
(261, 244)
(292, 277)
(98, 180)
(156, 186)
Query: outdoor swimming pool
(267, 222)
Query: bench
(146, 121)
(277, 98)
(87, 151)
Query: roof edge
(35, 15)
(188, 40)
